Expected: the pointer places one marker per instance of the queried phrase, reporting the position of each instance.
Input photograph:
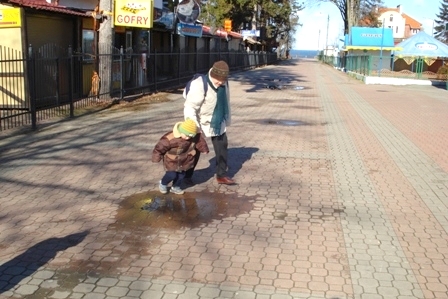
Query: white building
(403, 26)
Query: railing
(385, 66)
(52, 82)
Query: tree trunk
(105, 43)
(350, 11)
(353, 10)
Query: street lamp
(318, 42)
(326, 40)
(319, 14)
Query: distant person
(178, 149)
(210, 110)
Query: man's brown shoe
(225, 180)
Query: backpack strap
(205, 82)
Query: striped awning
(250, 40)
(373, 48)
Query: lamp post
(320, 14)
(318, 42)
(326, 40)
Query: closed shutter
(50, 36)
(43, 30)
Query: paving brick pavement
(342, 193)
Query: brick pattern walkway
(342, 193)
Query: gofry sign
(134, 13)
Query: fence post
(419, 68)
(32, 90)
(155, 70)
(196, 65)
(219, 49)
(123, 72)
(70, 74)
(58, 86)
(178, 66)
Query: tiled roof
(411, 21)
(43, 5)
(207, 31)
(385, 9)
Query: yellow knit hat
(188, 127)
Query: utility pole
(326, 40)
(318, 42)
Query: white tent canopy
(422, 45)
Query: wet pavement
(342, 193)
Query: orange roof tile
(43, 5)
(413, 24)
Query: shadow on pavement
(25, 264)
(237, 156)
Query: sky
(317, 18)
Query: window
(391, 18)
(128, 48)
(87, 44)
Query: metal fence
(385, 66)
(54, 82)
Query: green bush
(443, 70)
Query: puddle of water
(306, 107)
(132, 234)
(279, 215)
(63, 281)
(272, 80)
(270, 86)
(286, 122)
(284, 86)
(155, 210)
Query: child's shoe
(176, 190)
(162, 188)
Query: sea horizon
(296, 53)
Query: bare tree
(350, 11)
(370, 11)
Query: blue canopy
(422, 45)
(367, 38)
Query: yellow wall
(11, 37)
(12, 76)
